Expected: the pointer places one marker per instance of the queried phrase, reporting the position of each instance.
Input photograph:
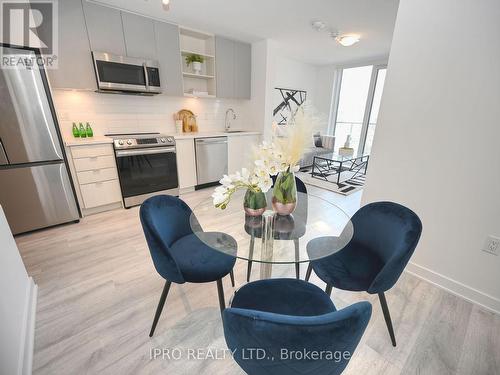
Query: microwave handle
(144, 66)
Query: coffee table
(330, 168)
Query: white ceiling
(285, 21)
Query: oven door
(146, 171)
(120, 72)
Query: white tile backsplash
(114, 113)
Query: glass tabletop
(316, 229)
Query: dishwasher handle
(211, 141)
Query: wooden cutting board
(188, 121)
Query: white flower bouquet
(257, 181)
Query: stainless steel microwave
(126, 74)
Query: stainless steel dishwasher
(211, 159)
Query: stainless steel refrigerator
(35, 188)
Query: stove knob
(120, 142)
(170, 139)
(129, 142)
(163, 140)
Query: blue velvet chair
(270, 319)
(179, 256)
(299, 227)
(385, 236)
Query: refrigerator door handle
(4, 160)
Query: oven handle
(151, 151)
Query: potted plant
(196, 60)
(257, 184)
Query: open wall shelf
(203, 44)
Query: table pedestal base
(267, 244)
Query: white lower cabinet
(95, 176)
(186, 163)
(94, 163)
(100, 193)
(240, 150)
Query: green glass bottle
(83, 133)
(76, 132)
(89, 131)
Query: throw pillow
(317, 140)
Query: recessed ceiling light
(347, 40)
(165, 4)
(318, 25)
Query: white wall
(112, 113)
(17, 307)
(271, 69)
(437, 146)
(323, 95)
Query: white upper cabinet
(234, 68)
(242, 70)
(105, 29)
(225, 50)
(167, 49)
(75, 68)
(139, 34)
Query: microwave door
(28, 131)
(120, 76)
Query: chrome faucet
(227, 123)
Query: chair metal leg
(163, 298)
(387, 317)
(220, 291)
(231, 275)
(249, 270)
(308, 273)
(250, 256)
(328, 289)
(297, 258)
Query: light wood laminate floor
(98, 291)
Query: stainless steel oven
(147, 166)
(123, 73)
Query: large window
(358, 105)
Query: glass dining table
(316, 229)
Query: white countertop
(213, 134)
(96, 140)
(100, 139)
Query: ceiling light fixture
(345, 40)
(165, 4)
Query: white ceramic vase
(197, 67)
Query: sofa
(322, 146)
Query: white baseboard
(29, 329)
(484, 300)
